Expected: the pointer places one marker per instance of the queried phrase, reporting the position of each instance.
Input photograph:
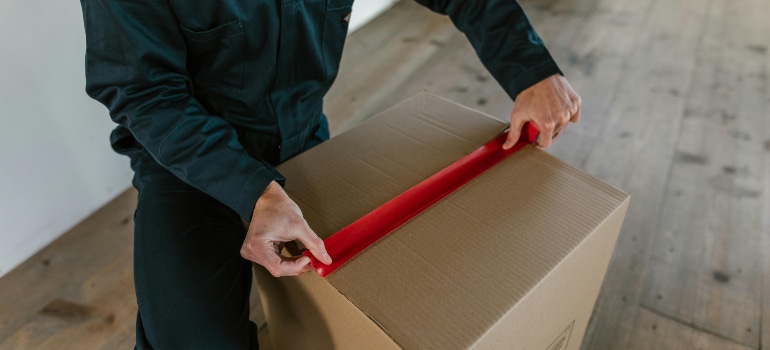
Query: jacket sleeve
(136, 67)
(503, 38)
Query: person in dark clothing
(210, 95)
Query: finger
(271, 259)
(293, 266)
(575, 106)
(579, 106)
(575, 117)
(314, 244)
(288, 266)
(252, 251)
(546, 134)
(517, 122)
(563, 122)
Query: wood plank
(100, 317)
(765, 340)
(705, 266)
(62, 271)
(656, 332)
(635, 147)
(765, 330)
(763, 50)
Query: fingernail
(327, 257)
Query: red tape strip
(354, 238)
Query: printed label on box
(563, 339)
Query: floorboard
(765, 317)
(80, 283)
(675, 108)
(655, 332)
(704, 262)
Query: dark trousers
(192, 285)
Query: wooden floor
(676, 112)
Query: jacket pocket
(215, 56)
(334, 33)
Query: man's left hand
(550, 104)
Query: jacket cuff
(525, 78)
(253, 188)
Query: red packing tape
(354, 238)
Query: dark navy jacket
(218, 91)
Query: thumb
(515, 131)
(315, 245)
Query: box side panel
(554, 315)
(306, 312)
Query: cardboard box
(512, 260)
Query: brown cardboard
(512, 260)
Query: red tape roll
(356, 237)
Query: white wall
(56, 166)
(366, 10)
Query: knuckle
(273, 271)
(316, 240)
(297, 221)
(247, 252)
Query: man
(209, 95)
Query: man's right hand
(275, 221)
